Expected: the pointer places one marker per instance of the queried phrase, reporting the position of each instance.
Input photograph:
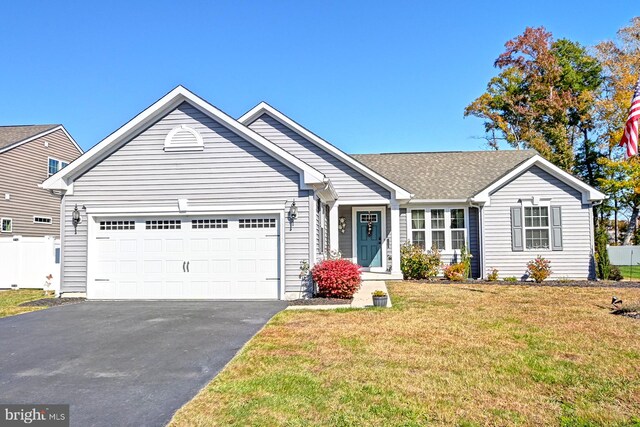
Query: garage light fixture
(293, 211)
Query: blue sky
(367, 76)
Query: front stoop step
(371, 276)
(361, 299)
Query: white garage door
(230, 257)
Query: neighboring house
(28, 156)
(185, 202)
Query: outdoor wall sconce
(342, 224)
(293, 211)
(76, 219)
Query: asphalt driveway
(123, 363)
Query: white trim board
(62, 180)
(264, 108)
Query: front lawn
(628, 273)
(445, 354)
(10, 299)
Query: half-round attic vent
(183, 138)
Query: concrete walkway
(361, 299)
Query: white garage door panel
(235, 257)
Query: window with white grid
(209, 223)
(117, 225)
(163, 224)
(257, 223)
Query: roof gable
(63, 179)
(14, 136)
(465, 175)
(264, 108)
(589, 194)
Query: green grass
(443, 355)
(629, 273)
(10, 299)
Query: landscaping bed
(321, 301)
(51, 302)
(550, 283)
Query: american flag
(630, 137)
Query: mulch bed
(550, 283)
(321, 301)
(51, 302)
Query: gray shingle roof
(445, 175)
(11, 134)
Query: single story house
(186, 202)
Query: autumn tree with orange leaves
(569, 103)
(620, 61)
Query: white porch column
(333, 226)
(395, 237)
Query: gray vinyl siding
(403, 226)
(23, 169)
(318, 226)
(348, 182)
(229, 171)
(327, 243)
(344, 239)
(573, 261)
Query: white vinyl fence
(624, 255)
(25, 262)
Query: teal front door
(369, 238)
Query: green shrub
(603, 267)
(417, 264)
(539, 269)
(455, 272)
(510, 279)
(615, 273)
(493, 275)
(465, 260)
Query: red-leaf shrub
(455, 272)
(336, 278)
(539, 269)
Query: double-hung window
(440, 228)
(536, 226)
(418, 224)
(457, 229)
(6, 225)
(55, 165)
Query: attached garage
(190, 257)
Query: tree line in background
(570, 103)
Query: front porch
(369, 235)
